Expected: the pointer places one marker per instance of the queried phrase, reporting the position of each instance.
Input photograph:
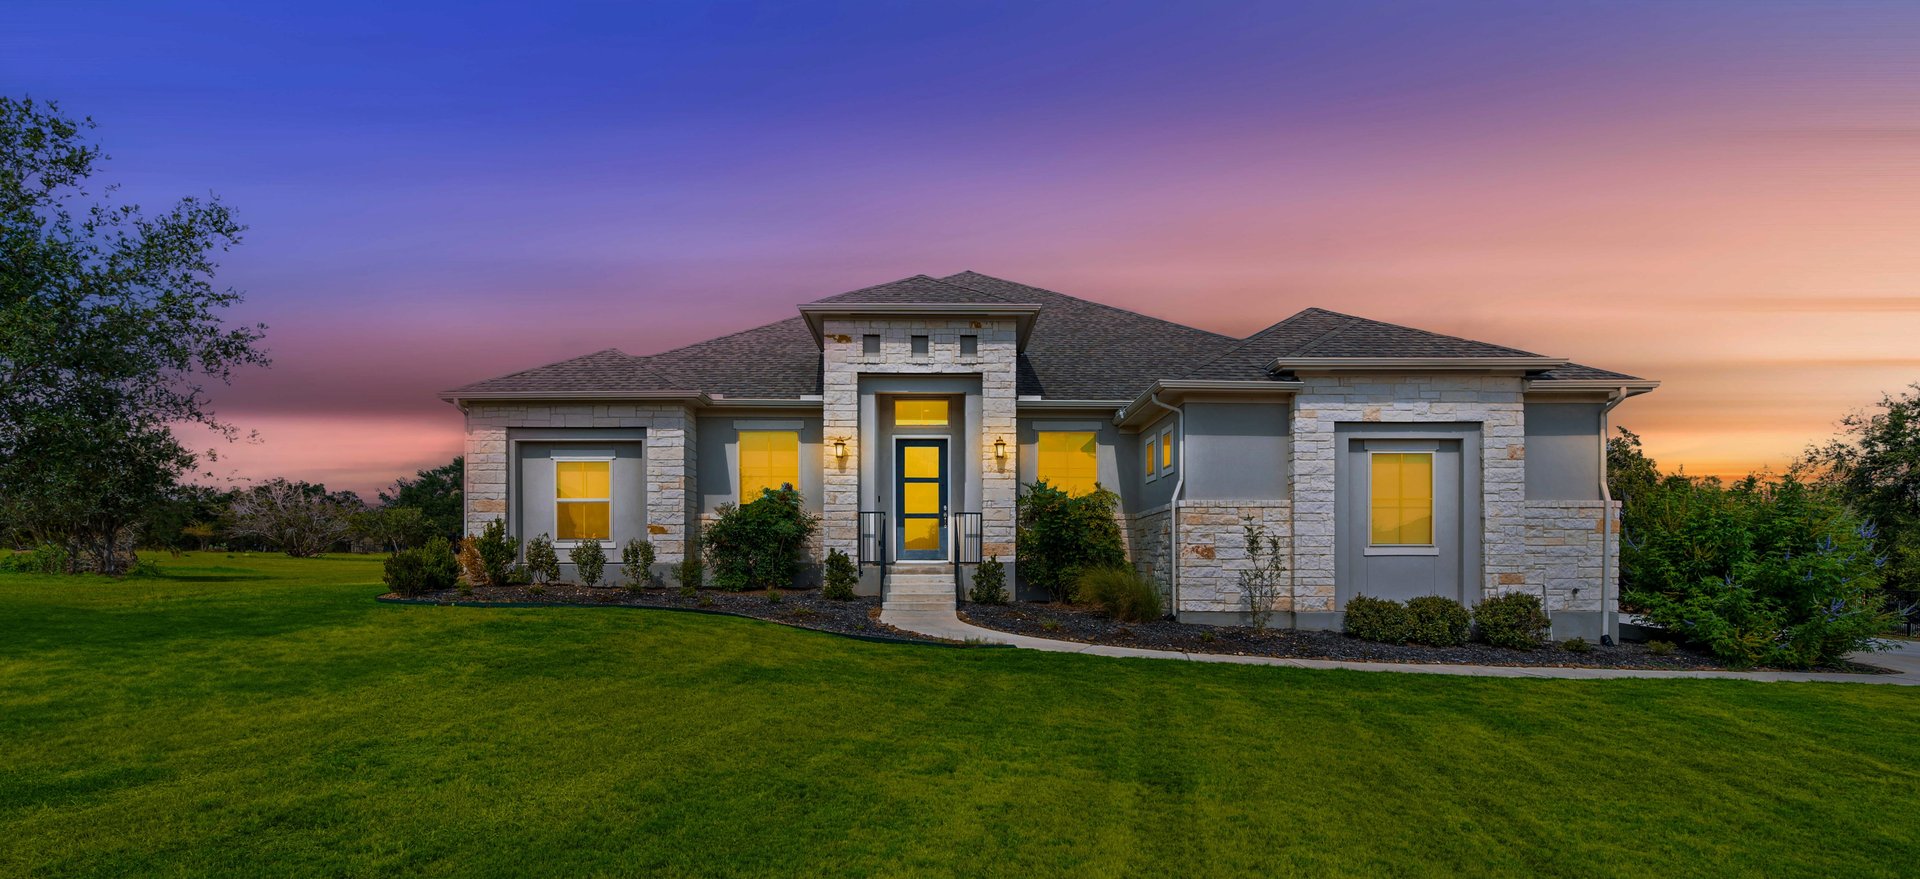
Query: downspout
(1173, 505)
(1609, 612)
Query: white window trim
(1167, 459)
(609, 542)
(1433, 508)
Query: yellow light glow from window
(920, 413)
(1068, 460)
(1401, 495)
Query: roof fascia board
(1634, 387)
(1415, 364)
(694, 398)
(1141, 409)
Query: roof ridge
(1354, 320)
(1095, 303)
(917, 277)
(1256, 336)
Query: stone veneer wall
(672, 503)
(845, 362)
(1213, 551)
(1495, 402)
(1563, 552)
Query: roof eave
(1142, 410)
(1023, 314)
(1416, 364)
(1631, 387)
(462, 397)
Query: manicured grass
(263, 716)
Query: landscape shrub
(543, 563)
(1661, 648)
(989, 583)
(1775, 572)
(636, 564)
(759, 544)
(589, 561)
(1378, 619)
(47, 558)
(691, 572)
(473, 572)
(840, 578)
(1260, 581)
(1513, 620)
(430, 567)
(1124, 593)
(1438, 621)
(1576, 644)
(495, 551)
(1060, 535)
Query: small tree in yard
(1260, 582)
(543, 564)
(589, 560)
(636, 563)
(489, 556)
(302, 519)
(392, 528)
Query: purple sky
(1722, 196)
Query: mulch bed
(802, 608)
(1088, 625)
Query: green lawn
(262, 716)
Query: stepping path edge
(1903, 660)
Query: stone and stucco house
(1391, 461)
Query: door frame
(1350, 537)
(899, 523)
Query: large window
(1401, 499)
(768, 459)
(920, 413)
(583, 500)
(1067, 460)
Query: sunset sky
(1721, 196)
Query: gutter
(1609, 613)
(1173, 505)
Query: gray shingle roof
(1079, 350)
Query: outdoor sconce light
(840, 449)
(1000, 448)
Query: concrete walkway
(1904, 658)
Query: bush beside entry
(1378, 619)
(1061, 535)
(757, 545)
(989, 583)
(841, 576)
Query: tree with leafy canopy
(1875, 465)
(110, 328)
(436, 493)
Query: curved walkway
(1904, 658)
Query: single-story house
(1391, 461)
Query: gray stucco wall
(1563, 451)
(719, 443)
(534, 510)
(1107, 455)
(1235, 451)
(1148, 495)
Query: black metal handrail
(873, 537)
(966, 543)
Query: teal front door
(920, 500)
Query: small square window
(969, 346)
(870, 343)
(919, 346)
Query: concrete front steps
(912, 588)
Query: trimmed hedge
(1437, 621)
(1513, 620)
(1378, 619)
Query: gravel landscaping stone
(802, 608)
(1087, 625)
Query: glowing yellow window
(1166, 449)
(583, 500)
(920, 413)
(768, 459)
(1153, 456)
(1067, 460)
(1401, 508)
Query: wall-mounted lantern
(840, 449)
(1000, 448)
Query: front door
(920, 499)
(1402, 518)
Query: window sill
(1401, 550)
